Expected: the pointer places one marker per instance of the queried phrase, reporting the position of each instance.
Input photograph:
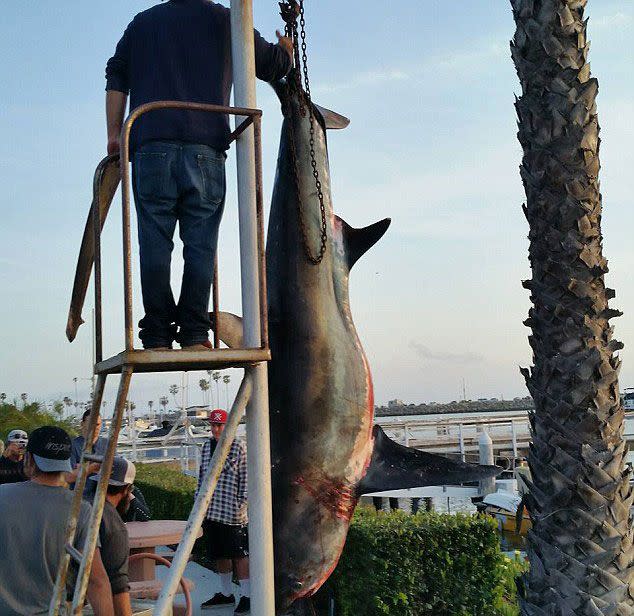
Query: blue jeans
(175, 181)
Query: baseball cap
(123, 473)
(50, 448)
(18, 436)
(218, 416)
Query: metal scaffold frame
(253, 392)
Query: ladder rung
(75, 554)
(93, 457)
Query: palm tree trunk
(580, 548)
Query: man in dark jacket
(179, 50)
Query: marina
(450, 434)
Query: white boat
(503, 506)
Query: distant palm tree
(204, 386)
(226, 379)
(67, 403)
(24, 397)
(3, 397)
(163, 401)
(216, 377)
(174, 391)
(210, 374)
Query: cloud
(425, 352)
(618, 20)
(365, 78)
(472, 60)
(7, 262)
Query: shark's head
(309, 536)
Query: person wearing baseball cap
(33, 519)
(12, 459)
(113, 533)
(226, 520)
(97, 445)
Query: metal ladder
(253, 391)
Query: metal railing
(460, 435)
(252, 117)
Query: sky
(429, 89)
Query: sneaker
(244, 606)
(202, 346)
(218, 600)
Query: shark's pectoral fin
(395, 467)
(230, 329)
(358, 241)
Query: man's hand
(115, 109)
(93, 469)
(113, 144)
(285, 43)
(72, 476)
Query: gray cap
(123, 473)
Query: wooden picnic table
(145, 537)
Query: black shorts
(226, 540)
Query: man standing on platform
(12, 459)
(226, 521)
(180, 51)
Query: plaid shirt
(229, 502)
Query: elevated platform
(177, 360)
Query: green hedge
(410, 565)
(394, 563)
(168, 492)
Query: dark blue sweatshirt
(181, 50)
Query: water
(441, 416)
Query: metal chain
(294, 85)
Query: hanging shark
(326, 452)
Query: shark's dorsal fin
(358, 241)
(230, 330)
(395, 467)
(332, 119)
